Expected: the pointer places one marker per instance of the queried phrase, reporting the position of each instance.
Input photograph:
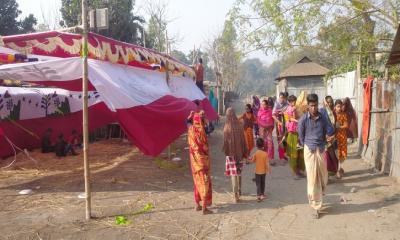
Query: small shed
(304, 75)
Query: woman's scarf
(330, 113)
(280, 107)
(264, 117)
(234, 142)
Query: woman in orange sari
(248, 120)
(200, 164)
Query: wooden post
(85, 109)
(360, 101)
(167, 78)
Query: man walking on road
(314, 130)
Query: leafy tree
(157, 36)
(179, 55)
(123, 25)
(226, 56)
(9, 24)
(342, 29)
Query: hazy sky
(193, 20)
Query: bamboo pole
(167, 78)
(85, 109)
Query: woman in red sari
(200, 164)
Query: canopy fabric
(18, 103)
(151, 110)
(135, 86)
(66, 45)
(28, 133)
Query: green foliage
(148, 207)
(27, 24)
(123, 25)
(255, 78)
(181, 56)
(121, 220)
(9, 24)
(226, 55)
(156, 28)
(340, 30)
(342, 69)
(394, 74)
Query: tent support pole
(167, 78)
(85, 109)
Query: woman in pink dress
(266, 125)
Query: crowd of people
(312, 140)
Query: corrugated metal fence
(343, 85)
(383, 149)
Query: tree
(156, 33)
(123, 25)
(157, 36)
(179, 55)
(27, 24)
(9, 24)
(51, 18)
(340, 28)
(226, 56)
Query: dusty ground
(124, 181)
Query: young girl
(260, 158)
(266, 124)
(341, 135)
(294, 154)
(248, 119)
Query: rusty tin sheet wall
(384, 137)
(395, 168)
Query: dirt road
(124, 181)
